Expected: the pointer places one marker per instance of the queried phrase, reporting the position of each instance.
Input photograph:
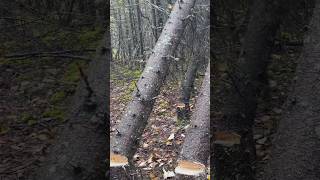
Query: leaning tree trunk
(195, 151)
(80, 149)
(235, 101)
(296, 150)
(134, 120)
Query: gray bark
(296, 147)
(138, 110)
(154, 22)
(140, 27)
(196, 146)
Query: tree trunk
(81, 145)
(137, 112)
(132, 24)
(296, 147)
(140, 28)
(195, 150)
(183, 110)
(154, 21)
(121, 49)
(236, 101)
(160, 18)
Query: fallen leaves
(167, 174)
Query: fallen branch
(50, 54)
(54, 55)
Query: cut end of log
(190, 168)
(117, 160)
(227, 138)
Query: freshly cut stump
(190, 168)
(117, 160)
(195, 151)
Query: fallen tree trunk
(195, 151)
(138, 110)
(80, 149)
(236, 91)
(296, 146)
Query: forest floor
(162, 138)
(34, 98)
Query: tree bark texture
(138, 110)
(296, 146)
(196, 146)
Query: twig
(85, 79)
(46, 53)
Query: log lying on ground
(137, 112)
(80, 149)
(195, 151)
(295, 153)
(236, 91)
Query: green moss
(25, 77)
(4, 129)
(17, 62)
(58, 97)
(90, 37)
(286, 36)
(163, 104)
(132, 73)
(56, 113)
(28, 118)
(72, 74)
(127, 96)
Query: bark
(154, 22)
(132, 23)
(190, 76)
(236, 101)
(81, 145)
(183, 110)
(121, 49)
(138, 110)
(160, 18)
(296, 149)
(140, 27)
(196, 145)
